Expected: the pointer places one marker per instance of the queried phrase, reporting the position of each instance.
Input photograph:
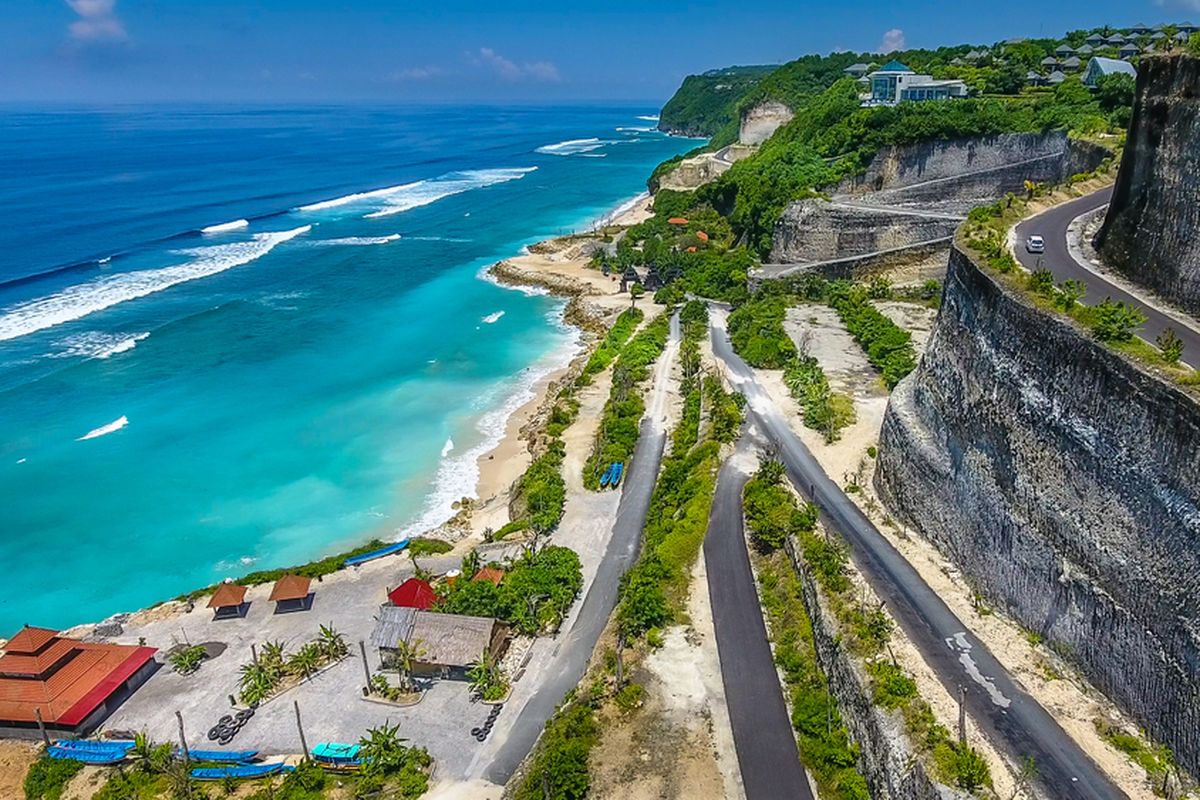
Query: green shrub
(1116, 321)
(428, 547)
(888, 347)
(47, 777)
(536, 592)
(757, 334)
(629, 697)
(892, 688)
(560, 762)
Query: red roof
(677, 221)
(228, 595)
(702, 236)
(489, 574)
(67, 680)
(290, 587)
(413, 593)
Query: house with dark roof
(1084, 50)
(857, 70)
(1116, 40)
(1064, 50)
(1095, 39)
(445, 645)
(1071, 64)
(1139, 30)
(71, 685)
(1055, 78)
(1128, 50)
(1100, 67)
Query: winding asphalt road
(1005, 712)
(1052, 225)
(575, 648)
(762, 732)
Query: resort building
(895, 83)
(857, 70)
(72, 685)
(446, 644)
(1099, 67)
(1128, 51)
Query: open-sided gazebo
(291, 593)
(229, 601)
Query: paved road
(575, 648)
(1009, 716)
(1052, 225)
(762, 731)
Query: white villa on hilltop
(895, 83)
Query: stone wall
(1065, 482)
(760, 122)
(886, 756)
(820, 230)
(1150, 231)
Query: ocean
(240, 338)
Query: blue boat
(617, 469)
(241, 771)
(606, 477)
(94, 757)
(331, 754)
(95, 745)
(223, 756)
(354, 561)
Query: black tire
(476, 731)
(224, 740)
(481, 737)
(225, 720)
(214, 733)
(244, 715)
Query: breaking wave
(397, 199)
(649, 117)
(226, 227)
(493, 317)
(104, 430)
(572, 147)
(359, 241)
(97, 344)
(83, 299)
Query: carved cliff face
(1065, 482)
(760, 123)
(1150, 232)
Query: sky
(503, 51)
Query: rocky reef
(1149, 233)
(1065, 482)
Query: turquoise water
(177, 407)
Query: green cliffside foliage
(704, 104)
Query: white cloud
(893, 40)
(417, 73)
(98, 21)
(509, 70)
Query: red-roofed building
(413, 593)
(677, 221)
(75, 685)
(491, 574)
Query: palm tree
(486, 678)
(382, 750)
(272, 659)
(331, 643)
(406, 654)
(256, 682)
(306, 661)
(151, 757)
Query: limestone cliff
(1065, 482)
(760, 122)
(1150, 230)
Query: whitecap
(492, 318)
(358, 241)
(649, 117)
(21, 460)
(105, 260)
(636, 129)
(83, 299)
(438, 239)
(98, 344)
(226, 227)
(104, 430)
(572, 147)
(447, 448)
(396, 199)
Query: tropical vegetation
(536, 593)
(265, 675)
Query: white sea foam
(396, 199)
(437, 239)
(572, 147)
(83, 299)
(458, 475)
(98, 344)
(104, 430)
(528, 291)
(636, 130)
(649, 117)
(493, 317)
(105, 260)
(359, 241)
(448, 447)
(625, 206)
(226, 227)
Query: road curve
(1052, 225)
(575, 648)
(762, 732)
(1005, 712)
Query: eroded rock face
(760, 122)
(1065, 482)
(819, 230)
(1150, 232)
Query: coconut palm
(383, 751)
(331, 643)
(407, 653)
(272, 659)
(256, 682)
(486, 678)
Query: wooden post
(962, 714)
(362, 648)
(187, 756)
(253, 653)
(37, 712)
(300, 728)
(620, 664)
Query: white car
(1035, 244)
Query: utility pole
(37, 712)
(300, 728)
(187, 756)
(362, 648)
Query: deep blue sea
(233, 339)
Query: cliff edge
(1065, 482)
(1149, 231)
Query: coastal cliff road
(569, 658)
(762, 732)
(1004, 711)
(1052, 225)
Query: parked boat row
(612, 476)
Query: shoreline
(556, 266)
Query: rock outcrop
(1149, 233)
(819, 230)
(760, 122)
(1065, 482)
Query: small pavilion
(291, 593)
(492, 575)
(229, 601)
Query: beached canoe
(354, 561)
(223, 756)
(606, 477)
(340, 755)
(95, 745)
(618, 470)
(94, 757)
(240, 771)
